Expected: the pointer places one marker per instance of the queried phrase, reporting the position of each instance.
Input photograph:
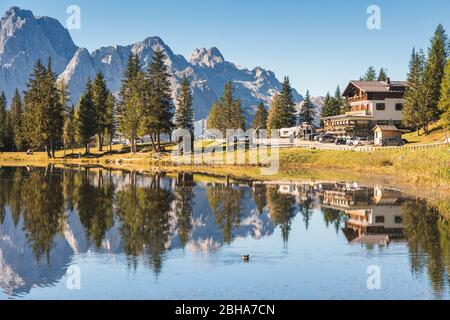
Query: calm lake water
(98, 234)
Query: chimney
(388, 80)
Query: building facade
(371, 103)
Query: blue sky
(319, 43)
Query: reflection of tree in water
(144, 213)
(428, 237)
(95, 205)
(306, 206)
(259, 196)
(225, 204)
(281, 209)
(334, 217)
(43, 211)
(184, 204)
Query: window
(379, 219)
(398, 219)
(381, 106)
(399, 106)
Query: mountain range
(24, 38)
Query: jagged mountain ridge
(24, 38)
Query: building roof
(375, 86)
(386, 127)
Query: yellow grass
(436, 134)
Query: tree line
(428, 94)
(44, 119)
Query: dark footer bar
(227, 309)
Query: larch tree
(260, 119)
(274, 121)
(69, 131)
(444, 103)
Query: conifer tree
(370, 75)
(130, 111)
(307, 111)
(382, 75)
(53, 113)
(33, 108)
(161, 100)
(274, 121)
(86, 117)
(69, 131)
(110, 119)
(3, 122)
(286, 116)
(433, 74)
(444, 103)
(100, 98)
(184, 115)
(227, 112)
(16, 120)
(260, 119)
(413, 112)
(215, 117)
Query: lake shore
(428, 168)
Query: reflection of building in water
(374, 215)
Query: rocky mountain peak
(207, 57)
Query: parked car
(340, 141)
(392, 141)
(358, 142)
(326, 138)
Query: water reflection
(49, 216)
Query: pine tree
(260, 119)
(434, 73)
(3, 122)
(444, 103)
(307, 111)
(130, 111)
(412, 110)
(338, 102)
(287, 117)
(16, 120)
(370, 75)
(159, 86)
(69, 131)
(86, 117)
(382, 75)
(100, 98)
(184, 115)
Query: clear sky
(319, 43)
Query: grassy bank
(430, 167)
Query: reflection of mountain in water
(49, 216)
